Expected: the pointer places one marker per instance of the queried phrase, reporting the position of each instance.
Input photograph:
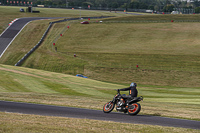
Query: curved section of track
(13, 30)
(47, 110)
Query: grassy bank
(34, 123)
(36, 86)
(166, 53)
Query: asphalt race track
(48, 110)
(13, 30)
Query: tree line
(155, 5)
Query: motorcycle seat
(126, 96)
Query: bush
(197, 10)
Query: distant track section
(13, 30)
(48, 110)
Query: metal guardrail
(151, 21)
(41, 40)
(34, 48)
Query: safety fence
(148, 21)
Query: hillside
(166, 53)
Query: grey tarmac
(70, 112)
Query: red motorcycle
(123, 104)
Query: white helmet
(133, 84)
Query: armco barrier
(44, 35)
(34, 48)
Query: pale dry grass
(12, 122)
(187, 111)
(148, 38)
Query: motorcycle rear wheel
(108, 107)
(134, 109)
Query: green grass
(167, 53)
(38, 86)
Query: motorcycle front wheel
(134, 109)
(108, 107)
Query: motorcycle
(123, 104)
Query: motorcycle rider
(132, 91)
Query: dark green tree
(196, 3)
(114, 5)
(197, 10)
(168, 8)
